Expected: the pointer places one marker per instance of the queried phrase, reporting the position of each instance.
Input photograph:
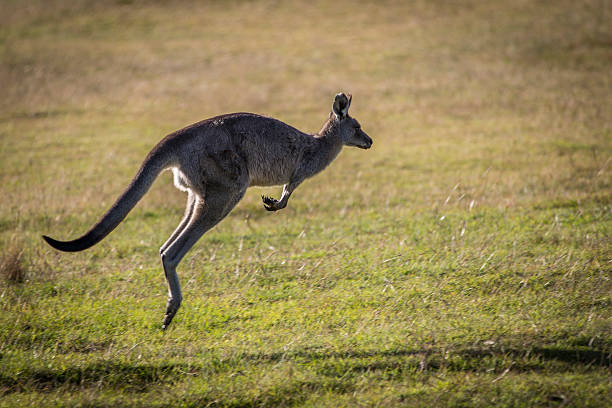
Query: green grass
(465, 260)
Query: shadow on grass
(334, 370)
(573, 356)
(107, 374)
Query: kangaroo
(215, 161)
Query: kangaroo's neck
(329, 142)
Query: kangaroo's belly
(272, 166)
(259, 176)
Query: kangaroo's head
(348, 127)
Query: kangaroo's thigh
(218, 201)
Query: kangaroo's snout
(367, 141)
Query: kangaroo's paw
(171, 308)
(270, 203)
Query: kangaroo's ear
(341, 105)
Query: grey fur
(215, 161)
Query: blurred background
(519, 90)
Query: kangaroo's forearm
(287, 191)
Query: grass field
(464, 260)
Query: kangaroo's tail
(157, 161)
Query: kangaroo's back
(269, 147)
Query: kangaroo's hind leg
(191, 201)
(206, 214)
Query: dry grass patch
(12, 265)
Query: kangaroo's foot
(271, 204)
(171, 308)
